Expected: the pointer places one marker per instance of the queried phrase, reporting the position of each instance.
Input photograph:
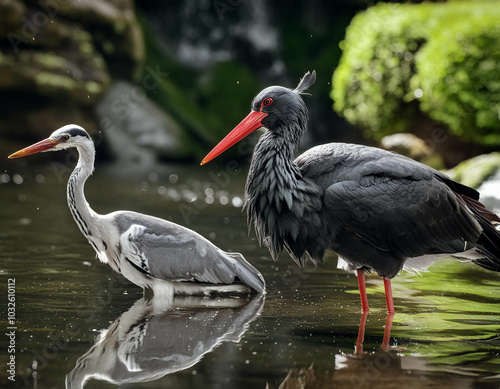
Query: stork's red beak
(247, 125)
(43, 145)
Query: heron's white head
(65, 137)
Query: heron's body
(150, 252)
(375, 209)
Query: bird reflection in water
(361, 332)
(151, 340)
(376, 370)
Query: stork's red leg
(388, 296)
(362, 290)
(361, 333)
(387, 331)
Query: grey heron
(150, 252)
(375, 209)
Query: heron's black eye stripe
(78, 131)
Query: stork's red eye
(268, 101)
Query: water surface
(70, 308)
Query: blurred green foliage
(201, 102)
(440, 59)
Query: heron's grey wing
(171, 252)
(391, 201)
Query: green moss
(49, 61)
(475, 171)
(86, 47)
(94, 88)
(400, 61)
(56, 81)
(119, 26)
(6, 59)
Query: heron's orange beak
(247, 125)
(39, 147)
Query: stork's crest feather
(306, 82)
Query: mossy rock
(473, 172)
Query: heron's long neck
(80, 209)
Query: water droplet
(224, 200)
(40, 178)
(25, 221)
(17, 179)
(173, 178)
(408, 56)
(209, 191)
(153, 177)
(419, 93)
(4, 178)
(237, 201)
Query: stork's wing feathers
(391, 201)
(171, 252)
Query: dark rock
(414, 147)
(136, 131)
(406, 144)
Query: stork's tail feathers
(488, 243)
(248, 274)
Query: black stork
(376, 209)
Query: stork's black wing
(394, 203)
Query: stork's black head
(280, 110)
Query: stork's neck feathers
(80, 209)
(272, 161)
(279, 198)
